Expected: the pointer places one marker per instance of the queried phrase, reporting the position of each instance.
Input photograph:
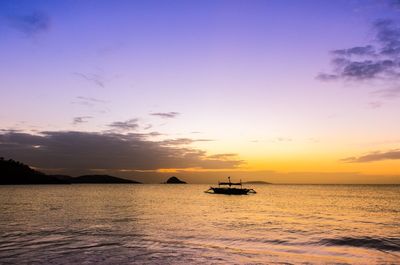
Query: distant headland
(257, 182)
(13, 173)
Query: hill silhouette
(100, 179)
(13, 173)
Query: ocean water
(180, 224)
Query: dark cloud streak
(129, 125)
(91, 102)
(166, 115)
(94, 78)
(183, 141)
(360, 51)
(81, 119)
(31, 24)
(374, 156)
(388, 92)
(90, 99)
(395, 4)
(72, 150)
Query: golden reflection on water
(180, 224)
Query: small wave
(384, 244)
(269, 241)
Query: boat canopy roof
(230, 183)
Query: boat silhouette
(226, 188)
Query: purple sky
(258, 79)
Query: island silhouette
(256, 182)
(14, 172)
(174, 180)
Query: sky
(281, 91)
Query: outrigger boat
(228, 189)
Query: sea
(180, 224)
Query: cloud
(166, 115)
(91, 99)
(223, 156)
(4, 131)
(148, 126)
(129, 125)
(82, 151)
(394, 3)
(374, 156)
(388, 92)
(31, 24)
(388, 34)
(361, 50)
(367, 69)
(93, 78)
(81, 119)
(379, 60)
(284, 139)
(183, 141)
(88, 101)
(375, 104)
(327, 77)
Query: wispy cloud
(10, 130)
(166, 115)
(374, 156)
(31, 24)
(227, 156)
(81, 119)
(148, 126)
(394, 3)
(375, 104)
(129, 125)
(368, 50)
(183, 141)
(96, 79)
(88, 101)
(283, 139)
(388, 92)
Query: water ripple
(158, 224)
(388, 244)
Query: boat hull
(230, 191)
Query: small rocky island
(174, 180)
